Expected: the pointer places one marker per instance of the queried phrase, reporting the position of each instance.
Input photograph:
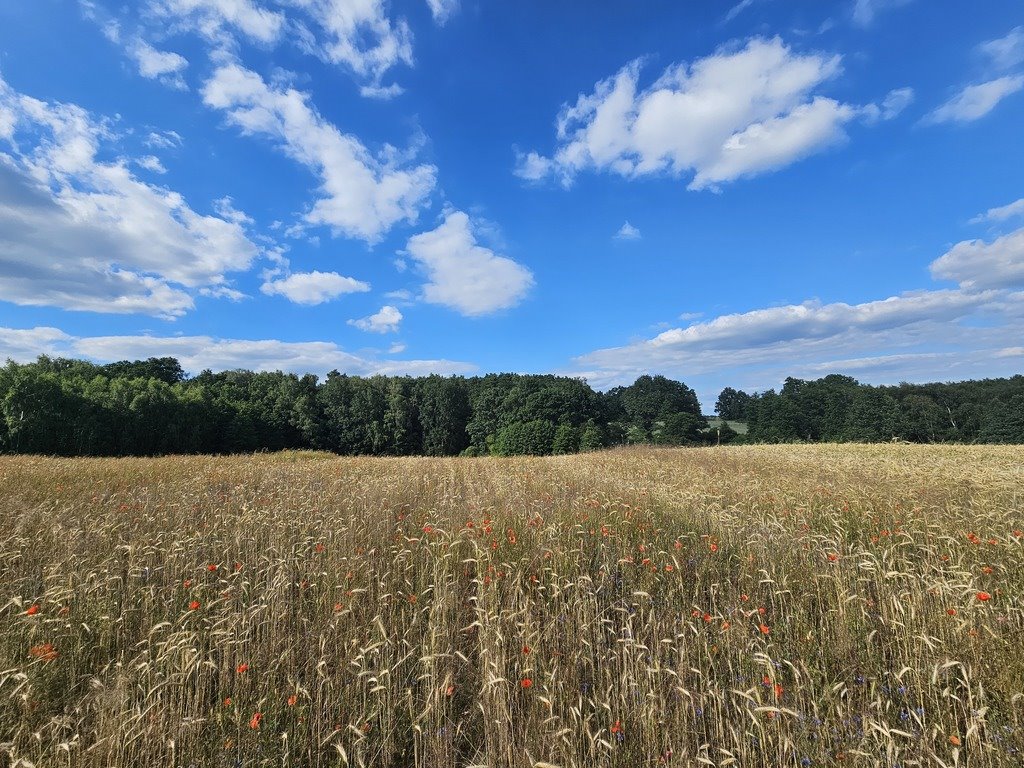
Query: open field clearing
(786, 605)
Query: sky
(725, 193)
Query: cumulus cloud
(735, 113)
(465, 275)
(978, 265)
(386, 320)
(165, 66)
(197, 353)
(914, 336)
(442, 9)
(975, 101)
(864, 11)
(1002, 213)
(628, 232)
(1005, 52)
(80, 233)
(214, 18)
(361, 195)
(311, 288)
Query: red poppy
(242, 668)
(725, 625)
(320, 549)
(713, 547)
(707, 618)
(254, 723)
(212, 567)
(526, 650)
(292, 699)
(832, 557)
(187, 583)
(526, 682)
(33, 610)
(764, 629)
(983, 596)
(954, 740)
(951, 611)
(44, 652)
(227, 702)
(194, 605)
(617, 728)
(778, 691)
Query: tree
(733, 404)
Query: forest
(65, 407)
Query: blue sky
(724, 193)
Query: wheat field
(749, 606)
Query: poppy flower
(227, 702)
(725, 625)
(254, 723)
(951, 611)
(44, 652)
(744, 597)
(33, 610)
(526, 682)
(320, 549)
(194, 605)
(186, 583)
(778, 691)
(242, 668)
(526, 650)
(832, 557)
(954, 740)
(617, 728)
(713, 547)
(212, 567)
(292, 699)
(983, 596)
(764, 629)
(449, 690)
(707, 618)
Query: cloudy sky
(726, 193)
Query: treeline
(838, 408)
(72, 407)
(150, 407)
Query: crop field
(749, 606)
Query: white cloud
(151, 163)
(627, 232)
(896, 101)
(1001, 213)
(1005, 52)
(532, 166)
(737, 9)
(164, 139)
(464, 275)
(196, 353)
(386, 320)
(976, 101)
(938, 334)
(442, 9)
(976, 265)
(397, 348)
(360, 195)
(864, 11)
(80, 233)
(359, 35)
(153, 64)
(311, 288)
(736, 113)
(211, 18)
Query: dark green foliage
(72, 407)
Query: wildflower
(194, 605)
(227, 702)
(832, 557)
(761, 610)
(778, 691)
(449, 690)
(428, 529)
(320, 548)
(238, 567)
(33, 610)
(668, 569)
(764, 629)
(292, 700)
(744, 597)
(412, 599)
(212, 567)
(526, 650)
(337, 607)
(983, 596)
(186, 583)
(526, 682)
(951, 611)
(707, 618)
(254, 723)
(44, 652)
(617, 728)
(987, 569)
(242, 668)
(713, 547)
(954, 740)
(725, 625)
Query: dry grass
(748, 606)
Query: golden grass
(809, 605)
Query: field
(750, 606)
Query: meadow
(752, 606)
